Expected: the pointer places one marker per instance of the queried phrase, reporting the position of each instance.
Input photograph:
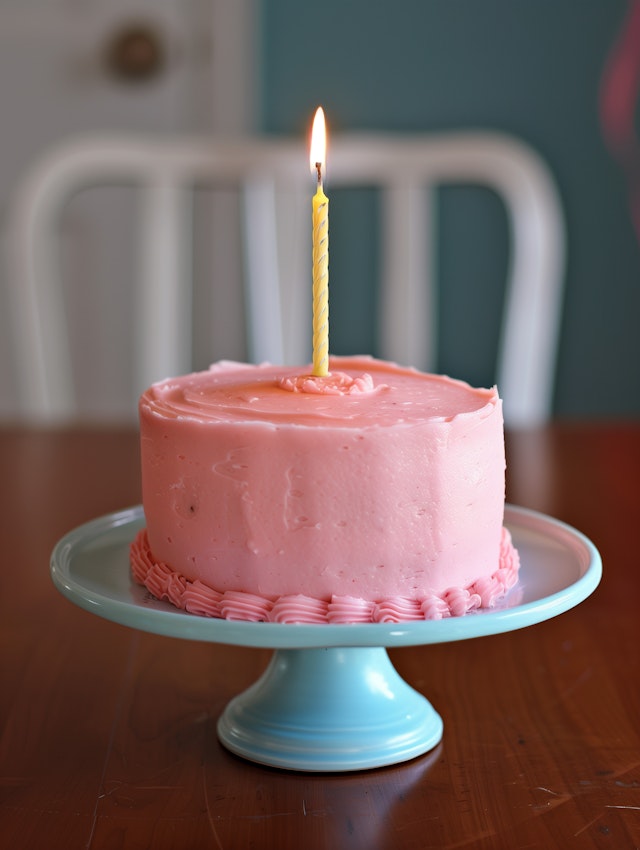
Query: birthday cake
(374, 494)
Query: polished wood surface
(108, 734)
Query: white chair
(276, 187)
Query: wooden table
(108, 735)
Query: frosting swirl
(335, 383)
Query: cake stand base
(330, 709)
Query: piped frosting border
(196, 597)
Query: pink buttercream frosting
(372, 494)
(335, 383)
(196, 598)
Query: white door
(70, 67)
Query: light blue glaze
(334, 709)
(330, 700)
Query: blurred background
(562, 77)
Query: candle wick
(319, 170)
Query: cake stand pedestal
(330, 709)
(330, 699)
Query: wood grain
(107, 736)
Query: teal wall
(528, 67)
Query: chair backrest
(274, 181)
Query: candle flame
(318, 151)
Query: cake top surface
(358, 392)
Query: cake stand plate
(330, 699)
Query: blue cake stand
(330, 699)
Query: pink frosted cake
(374, 494)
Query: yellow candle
(320, 207)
